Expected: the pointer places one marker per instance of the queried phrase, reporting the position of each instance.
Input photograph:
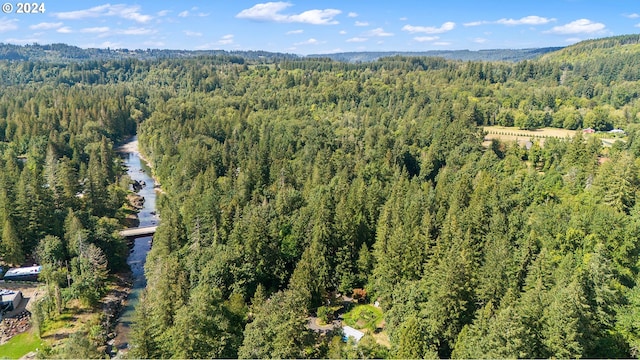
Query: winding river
(138, 170)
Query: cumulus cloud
(293, 32)
(45, 26)
(226, 39)
(136, 31)
(129, 12)
(357, 39)
(581, 26)
(448, 26)
(163, 13)
(94, 30)
(426, 38)
(8, 24)
(187, 13)
(632, 16)
(311, 41)
(342, 32)
(361, 23)
(476, 23)
(352, 14)
(192, 33)
(65, 30)
(378, 32)
(271, 11)
(527, 20)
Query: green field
(20, 345)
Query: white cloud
(271, 12)
(226, 40)
(426, 38)
(632, 16)
(361, 23)
(65, 30)
(581, 26)
(573, 40)
(101, 29)
(442, 43)
(136, 31)
(316, 17)
(192, 33)
(292, 32)
(311, 41)
(129, 12)
(448, 26)
(479, 40)
(342, 32)
(45, 26)
(404, 18)
(527, 20)
(637, 25)
(357, 39)
(8, 24)
(352, 14)
(377, 32)
(265, 12)
(184, 13)
(163, 13)
(476, 23)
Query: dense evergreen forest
(63, 53)
(286, 183)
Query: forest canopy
(288, 182)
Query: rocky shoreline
(112, 305)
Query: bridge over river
(138, 232)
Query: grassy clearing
(20, 345)
(511, 134)
(543, 133)
(364, 317)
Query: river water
(138, 170)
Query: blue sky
(306, 27)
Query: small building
(9, 299)
(616, 131)
(348, 332)
(30, 273)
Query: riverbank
(132, 147)
(143, 202)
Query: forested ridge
(63, 53)
(288, 182)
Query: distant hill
(588, 50)
(62, 53)
(513, 55)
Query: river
(138, 170)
